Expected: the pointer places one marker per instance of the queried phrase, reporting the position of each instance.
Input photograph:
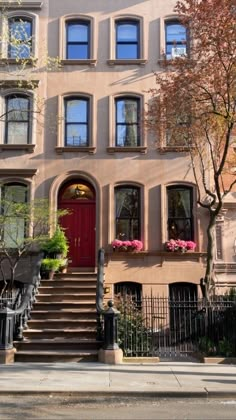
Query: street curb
(113, 394)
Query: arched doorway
(79, 198)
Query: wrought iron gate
(171, 328)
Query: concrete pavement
(94, 380)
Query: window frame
(7, 122)
(141, 40)
(191, 219)
(138, 218)
(120, 22)
(112, 147)
(86, 23)
(125, 124)
(29, 42)
(66, 124)
(168, 23)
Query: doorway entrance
(78, 197)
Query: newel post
(7, 350)
(111, 353)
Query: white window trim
(61, 147)
(142, 41)
(62, 39)
(112, 125)
(5, 31)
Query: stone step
(63, 305)
(68, 283)
(57, 344)
(77, 314)
(61, 323)
(53, 297)
(56, 356)
(79, 276)
(67, 290)
(60, 333)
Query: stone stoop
(63, 324)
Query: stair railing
(15, 312)
(107, 331)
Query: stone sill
(118, 62)
(127, 149)
(170, 149)
(18, 61)
(165, 255)
(91, 150)
(88, 62)
(23, 5)
(29, 148)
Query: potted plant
(133, 245)
(179, 245)
(49, 266)
(57, 245)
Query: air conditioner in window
(178, 52)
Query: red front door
(79, 227)
(79, 199)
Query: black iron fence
(154, 326)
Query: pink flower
(180, 245)
(191, 245)
(116, 243)
(138, 245)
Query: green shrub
(57, 244)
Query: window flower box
(178, 245)
(126, 246)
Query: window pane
(13, 226)
(126, 51)
(127, 135)
(17, 109)
(77, 135)
(127, 111)
(179, 203)
(17, 133)
(20, 38)
(76, 110)
(127, 32)
(78, 52)
(175, 33)
(127, 213)
(77, 32)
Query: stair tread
(58, 352)
(61, 320)
(59, 340)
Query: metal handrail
(100, 282)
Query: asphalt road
(61, 407)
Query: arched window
(77, 131)
(14, 215)
(20, 37)
(128, 288)
(180, 212)
(176, 39)
(78, 40)
(127, 208)
(127, 111)
(17, 127)
(127, 39)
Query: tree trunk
(208, 278)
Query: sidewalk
(94, 380)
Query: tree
(194, 105)
(24, 227)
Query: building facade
(76, 135)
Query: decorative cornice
(28, 173)
(225, 268)
(127, 149)
(22, 5)
(76, 149)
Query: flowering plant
(126, 245)
(174, 245)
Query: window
(127, 39)
(13, 216)
(78, 40)
(17, 119)
(76, 121)
(127, 122)
(180, 208)
(176, 39)
(127, 207)
(20, 38)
